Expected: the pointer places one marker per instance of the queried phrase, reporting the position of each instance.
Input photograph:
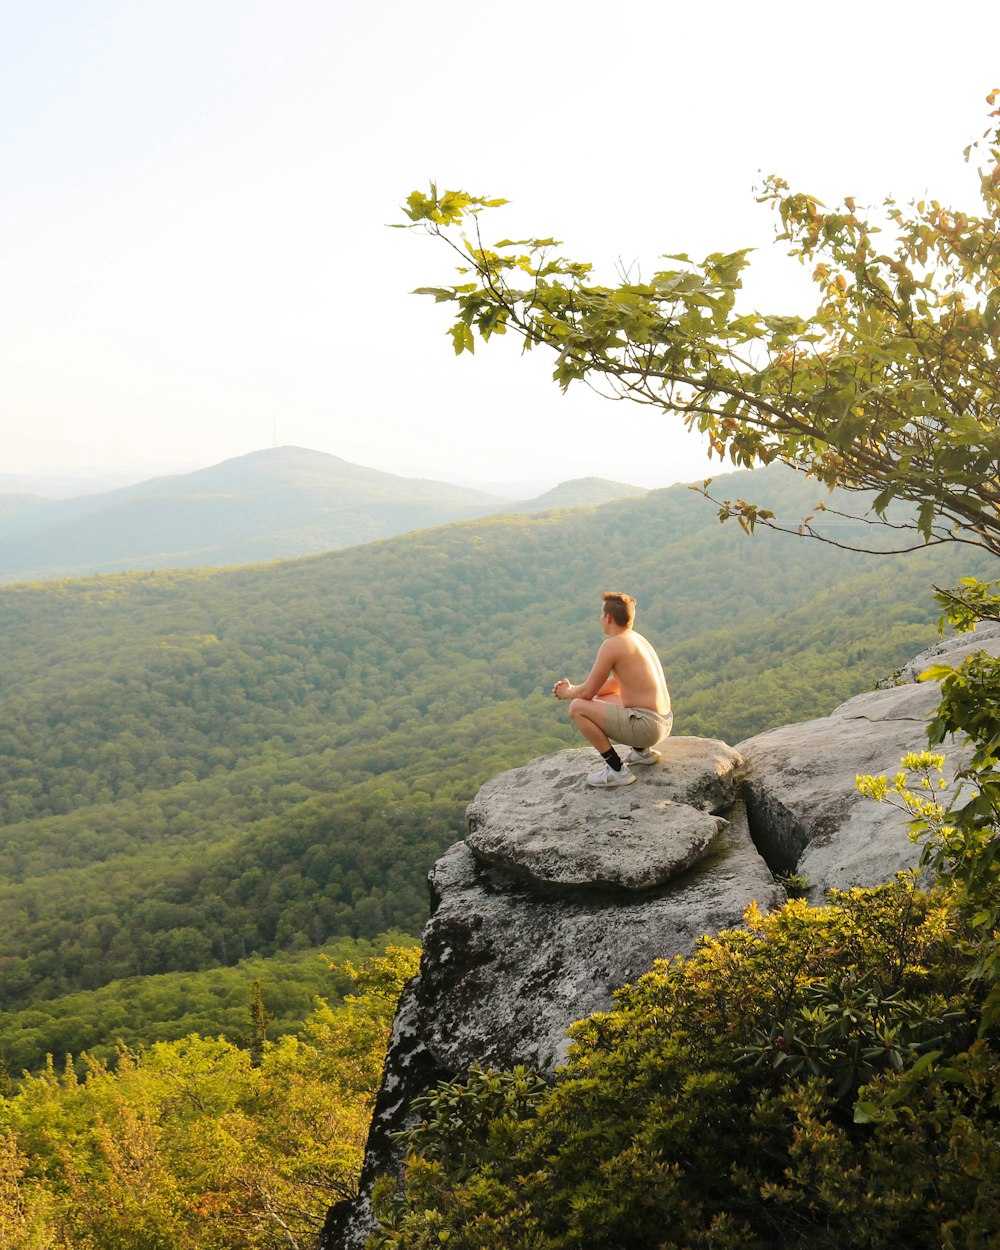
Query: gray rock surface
(543, 823)
(409, 1070)
(805, 811)
(953, 650)
(507, 969)
(563, 893)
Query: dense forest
(200, 1143)
(197, 768)
(216, 1002)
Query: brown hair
(621, 608)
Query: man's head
(620, 608)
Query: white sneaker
(606, 776)
(642, 755)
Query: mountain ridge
(274, 504)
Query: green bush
(679, 1122)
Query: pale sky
(195, 259)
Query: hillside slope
(198, 766)
(581, 492)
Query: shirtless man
(625, 698)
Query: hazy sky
(195, 261)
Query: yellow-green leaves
(891, 386)
(462, 338)
(189, 1144)
(445, 209)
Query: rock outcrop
(541, 824)
(805, 811)
(560, 893)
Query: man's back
(637, 667)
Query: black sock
(612, 758)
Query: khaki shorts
(636, 726)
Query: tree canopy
(197, 1142)
(891, 385)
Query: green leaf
(462, 338)
(440, 293)
(872, 1113)
(925, 518)
(924, 1062)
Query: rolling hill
(268, 505)
(582, 492)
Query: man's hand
(560, 688)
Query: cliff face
(561, 893)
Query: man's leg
(589, 716)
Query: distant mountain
(18, 510)
(267, 505)
(70, 485)
(582, 492)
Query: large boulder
(543, 824)
(508, 967)
(805, 810)
(952, 651)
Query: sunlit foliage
(889, 386)
(192, 1145)
(811, 1081)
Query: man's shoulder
(631, 641)
(615, 643)
(618, 646)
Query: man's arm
(600, 681)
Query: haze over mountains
(268, 505)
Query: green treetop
(890, 386)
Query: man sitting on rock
(625, 698)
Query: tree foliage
(891, 385)
(214, 1002)
(191, 1144)
(709, 1108)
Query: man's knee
(578, 710)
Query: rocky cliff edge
(560, 893)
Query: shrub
(680, 1123)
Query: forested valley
(203, 768)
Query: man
(624, 699)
